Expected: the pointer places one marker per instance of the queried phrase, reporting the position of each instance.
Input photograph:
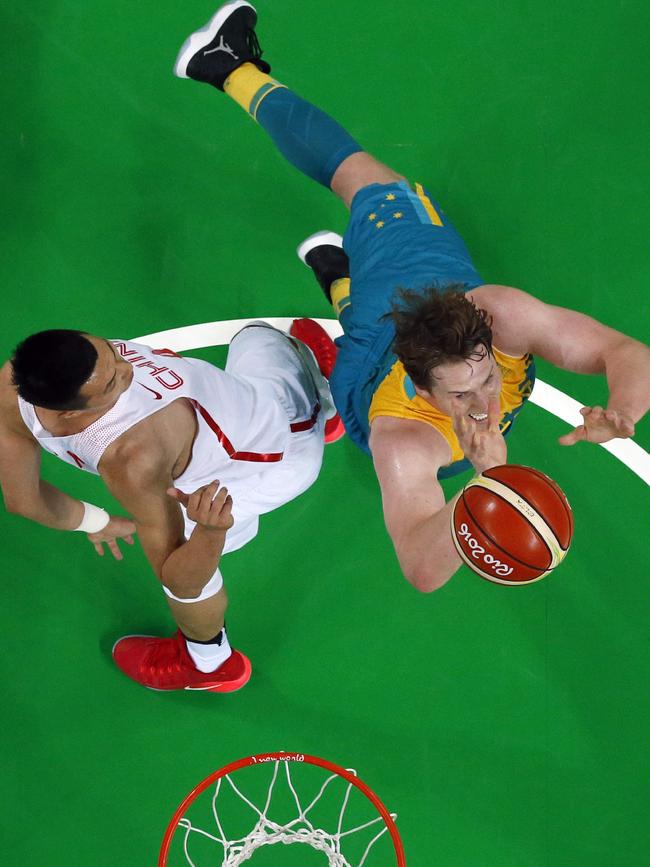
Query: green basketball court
(507, 727)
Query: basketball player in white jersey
(195, 455)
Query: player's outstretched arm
(576, 342)
(407, 455)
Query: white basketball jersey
(242, 424)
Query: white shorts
(271, 360)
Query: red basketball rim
(262, 758)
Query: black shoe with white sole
(323, 252)
(226, 42)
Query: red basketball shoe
(323, 347)
(164, 663)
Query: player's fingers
(215, 509)
(573, 436)
(494, 414)
(179, 495)
(220, 495)
(211, 489)
(99, 548)
(128, 540)
(467, 429)
(199, 504)
(219, 500)
(194, 503)
(225, 515)
(115, 550)
(458, 420)
(208, 492)
(208, 496)
(624, 426)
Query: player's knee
(189, 592)
(358, 171)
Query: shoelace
(253, 44)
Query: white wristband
(94, 519)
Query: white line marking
(546, 396)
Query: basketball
(512, 524)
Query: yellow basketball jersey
(396, 397)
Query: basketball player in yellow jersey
(431, 378)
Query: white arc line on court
(546, 396)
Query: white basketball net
(267, 832)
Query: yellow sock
(248, 86)
(340, 294)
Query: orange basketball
(512, 524)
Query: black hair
(50, 367)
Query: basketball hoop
(285, 815)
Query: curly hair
(434, 327)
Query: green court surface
(507, 727)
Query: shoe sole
(200, 38)
(320, 383)
(318, 239)
(231, 686)
(337, 433)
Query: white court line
(546, 396)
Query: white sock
(208, 657)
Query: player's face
(112, 376)
(467, 386)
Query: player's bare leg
(200, 620)
(226, 54)
(358, 171)
(198, 657)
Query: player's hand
(484, 447)
(117, 528)
(210, 506)
(599, 426)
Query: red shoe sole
(319, 341)
(230, 685)
(334, 429)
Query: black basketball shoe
(227, 40)
(323, 252)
